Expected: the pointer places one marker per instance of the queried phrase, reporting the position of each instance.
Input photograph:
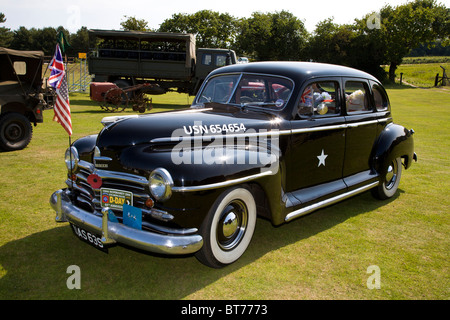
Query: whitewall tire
(228, 228)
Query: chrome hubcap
(391, 175)
(232, 225)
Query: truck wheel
(389, 183)
(15, 131)
(228, 228)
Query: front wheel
(228, 228)
(389, 183)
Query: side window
(207, 59)
(221, 60)
(218, 89)
(380, 98)
(20, 67)
(357, 97)
(320, 99)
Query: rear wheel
(228, 228)
(389, 183)
(15, 131)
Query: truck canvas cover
(142, 36)
(19, 70)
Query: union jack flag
(58, 80)
(307, 95)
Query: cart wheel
(15, 131)
(115, 100)
(228, 228)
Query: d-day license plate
(115, 199)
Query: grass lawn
(422, 74)
(324, 255)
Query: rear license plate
(86, 236)
(115, 199)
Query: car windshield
(246, 90)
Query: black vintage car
(272, 139)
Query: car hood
(169, 127)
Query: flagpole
(71, 166)
(70, 150)
(58, 80)
(70, 137)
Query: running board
(327, 202)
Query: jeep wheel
(228, 228)
(15, 131)
(389, 183)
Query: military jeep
(21, 96)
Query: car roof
(296, 70)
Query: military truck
(168, 61)
(22, 97)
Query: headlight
(160, 184)
(72, 158)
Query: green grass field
(324, 255)
(421, 71)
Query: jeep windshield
(246, 90)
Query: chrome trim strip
(325, 128)
(86, 166)
(273, 133)
(121, 176)
(268, 133)
(101, 158)
(221, 184)
(327, 202)
(105, 174)
(339, 126)
(363, 123)
(144, 182)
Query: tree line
(376, 39)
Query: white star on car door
(322, 158)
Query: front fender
(202, 168)
(85, 147)
(201, 174)
(394, 142)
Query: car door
(314, 165)
(361, 132)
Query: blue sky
(107, 14)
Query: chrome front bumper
(112, 232)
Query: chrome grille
(110, 179)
